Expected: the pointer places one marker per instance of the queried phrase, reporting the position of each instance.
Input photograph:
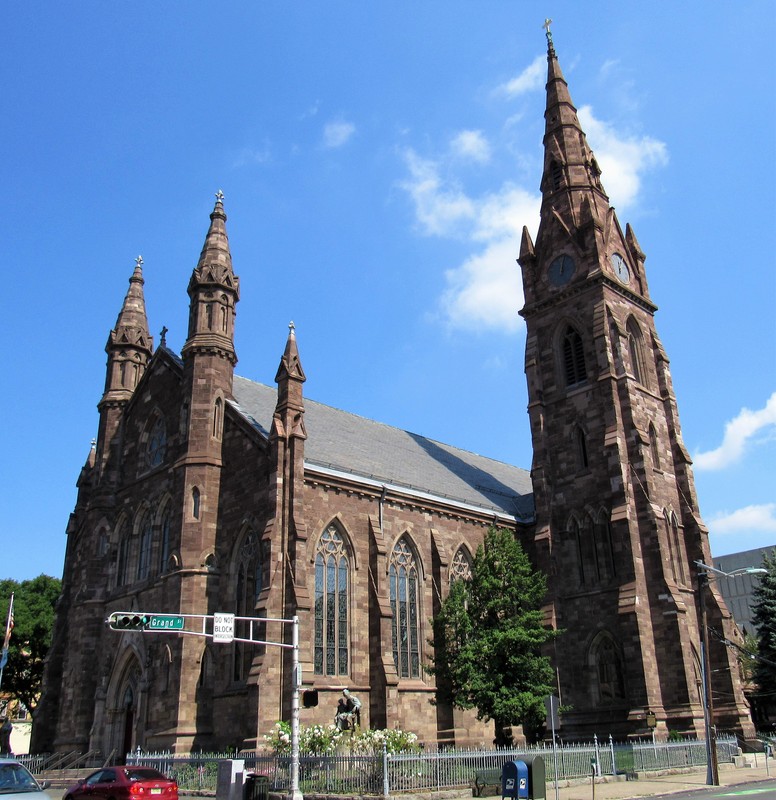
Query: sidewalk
(608, 788)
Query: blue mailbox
(514, 779)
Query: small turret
(129, 349)
(214, 291)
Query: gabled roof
(362, 448)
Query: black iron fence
(428, 770)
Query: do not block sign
(223, 628)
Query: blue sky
(378, 161)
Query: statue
(5, 737)
(348, 716)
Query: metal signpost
(705, 573)
(220, 628)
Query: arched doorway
(128, 704)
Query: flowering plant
(314, 739)
(327, 739)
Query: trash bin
(255, 787)
(514, 780)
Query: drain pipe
(380, 507)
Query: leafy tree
(33, 611)
(764, 618)
(488, 639)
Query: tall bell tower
(618, 527)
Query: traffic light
(129, 621)
(310, 698)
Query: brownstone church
(207, 492)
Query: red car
(124, 783)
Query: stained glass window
(144, 552)
(157, 443)
(403, 587)
(248, 589)
(331, 637)
(461, 568)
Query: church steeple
(130, 344)
(617, 523)
(129, 348)
(571, 176)
(214, 291)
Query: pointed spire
(132, 317)
(130, 344)
(289, 411)
(215, 252)
(570, 168)
(214, 290)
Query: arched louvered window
(461, 566)
(573, 358)
(332, 637)
(653, 447)
(405, 631)
(556, 174)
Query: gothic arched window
(581, 442)
(607, 662)
(144, 550)
(636, 350)
(331, 644)
(576, 543)
(461, 566)
(653, 447)
(195, 503)
(602, 535)
(573, 358)
(164, 540)
(218, 417)
(247, 591)
(157, 443)
(122, 558)
(405, 631)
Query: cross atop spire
(139, 261)
(548, 33)
(219, 197)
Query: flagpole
(7, 640)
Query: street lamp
(704, 571)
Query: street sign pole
(296, 682)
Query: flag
(7, 640)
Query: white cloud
(738, 433)
(440, 211)
(751, 519)
(471, 145)
(253, 155)
(485, 291)
(622, 159)
(336, 134)
(531, 78)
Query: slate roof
(359, 447)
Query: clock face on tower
(561, 270)
(620, 268)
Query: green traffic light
(128, 622)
